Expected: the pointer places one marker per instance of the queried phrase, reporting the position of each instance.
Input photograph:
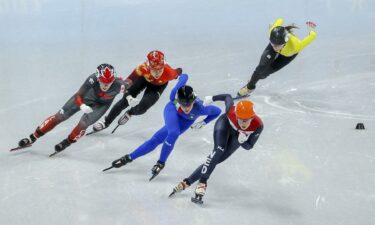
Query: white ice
(310, 166)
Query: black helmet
(185, 95)
(279, 35)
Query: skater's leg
(221, 136)
(264, 67)
(87, 120)
(175, 126)
(151, 144)
(281, 61)
(80, 129)
(150, 97)
(63, 114)
(134, 90)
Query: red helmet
(155, 60)
(106, 73)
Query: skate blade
(153, 176)
(197, 200)
(19, 148)
(92, 132)
(115, 129)
(172, 194)
(54, 154)
(108, 168)
(238, 97)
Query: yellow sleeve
(307, 40)
(277, 23)
(140, 69)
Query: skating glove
(132, 101)
(242, 137)
(85, 108)
(311, 25)
(198, 125)
(208, 100)
(179, 72)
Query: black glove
(179, 72)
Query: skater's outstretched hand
(179, 72)
(208, 100)
(311, 25)
(198, 125)
(132, 101)
(242, 137)
(85, 108)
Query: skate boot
(122, 161)
(124, 118)
(99, 126)
(27, 141)
(200, 190)
(244, 91)
(156, 169)
(62, 145)
(180, 187)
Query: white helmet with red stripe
(105, 73)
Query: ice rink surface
(310, 166)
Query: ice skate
(61, 146)
(120, 162)
(244, 91)
(25, 142)
(156, 169)
(200, 190)
(99, 126)
(124, 118)
(180, 187)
